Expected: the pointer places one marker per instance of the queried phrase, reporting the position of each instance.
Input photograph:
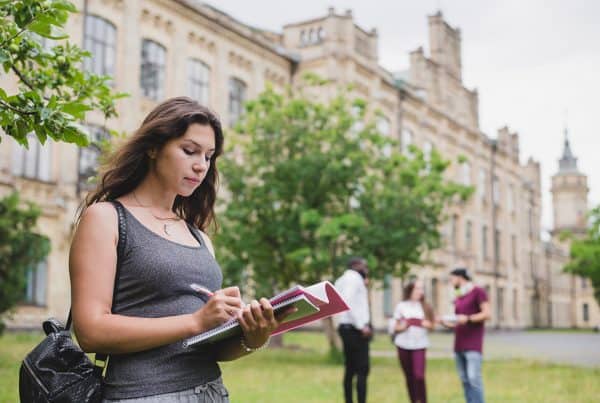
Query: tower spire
(568, 162)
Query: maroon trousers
(413, 365)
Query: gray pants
(211, 392)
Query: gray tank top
(154, 281)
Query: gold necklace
(165, 225)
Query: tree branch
(14, 109)
(21, 77)
(14, 36)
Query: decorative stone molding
(202, 42)
(157, 20)
(116, 4)
(240, 61)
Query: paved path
(582, 349)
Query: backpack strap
(122, 226)
(101, 359)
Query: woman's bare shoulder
(99, 211)
(100, 218)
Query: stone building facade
(155, 49)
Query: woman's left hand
(258, 321)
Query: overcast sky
(530, 60)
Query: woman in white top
(413, 317)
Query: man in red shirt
(472, 309)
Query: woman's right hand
(222, 306)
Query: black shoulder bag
(57, 370)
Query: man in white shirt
(354, 327)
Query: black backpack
(57, 370)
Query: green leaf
(76, 109)
(41, 28)
(4, 55)
(57, 34)
(64, 5)
(41, 134)
(75, 133)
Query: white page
(319, 291)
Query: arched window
(100, 40)
(36, 285)
(321, 34)
(198, 81)
(152, 76)
(237, 96)
(88, 156)
(34, 162)
(407, 140)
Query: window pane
(88, 156)
(30, 158)
(35, 162)
(468, 235)
(482, 183)
(198, 81)
(99, 41)
(466, 174)
(500, 303)
(35, 288)
(383, 126)
(484, 241)
(30, 286)
(110, 36)
(97, 58)
(17, 158)
(152, 70)
(237, 96)
(44, 171)
(40, 284)
(496, 193)
(407, 139)
(427, 148)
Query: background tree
(311, 183)
(289, 181)
(20, 249)
(585, 253)
(52, 97)
(403, 203)
(54, 93)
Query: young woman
(413, 317)
(165, 179)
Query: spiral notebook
(316, 302)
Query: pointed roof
(568, 162)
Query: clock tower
(569, 194)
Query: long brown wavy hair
(125, 169)
(407, 292)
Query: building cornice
(236, 27)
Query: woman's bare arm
(92, 265)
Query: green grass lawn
(304, 374)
